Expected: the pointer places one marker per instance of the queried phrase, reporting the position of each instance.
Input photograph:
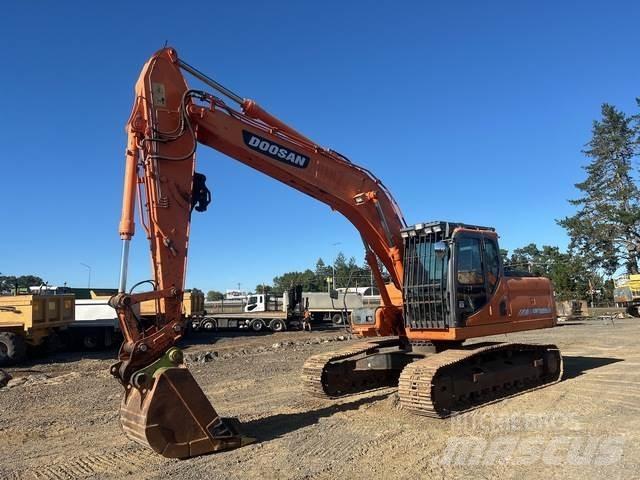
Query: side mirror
(333, 294)
(440, 249)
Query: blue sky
(469, 111)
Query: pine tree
(321, 273)
(606, 228)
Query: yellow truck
(192, 307)
(30, 320)
(626, 293)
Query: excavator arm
(163, 405)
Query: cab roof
(440, 226)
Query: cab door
(497, 287)
(470, 283)
(260, 307)
(255, 303)
(481, 295)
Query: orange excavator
(446, 279)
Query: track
(334, 374)
(459, 380)
(441, 384)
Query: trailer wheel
(277, 325)
(257, 325)
(209, 324)
(633, 311)
(12, 348)
(337, 319)
(90, 341)
(54, 343)
(107, 339)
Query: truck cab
(256, 303)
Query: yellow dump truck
(30, 320)
(192, 306)
(626, 293)
(192, 310)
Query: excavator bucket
(175, 418)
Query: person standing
(306, 320)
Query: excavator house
(446, 282)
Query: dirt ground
(59, 419)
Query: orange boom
(447, 283)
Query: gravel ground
(59, 420)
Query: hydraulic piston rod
(124, 264)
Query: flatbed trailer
(281, 317)
(324, 308)
(96, 325)
(257, 322)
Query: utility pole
(89, 268)
(371, 278)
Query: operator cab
(451, 271)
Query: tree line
(345, 272)
(13, 284)
(570, 274)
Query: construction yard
(60, 417)
(320, 240)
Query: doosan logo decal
(274, 150)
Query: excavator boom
(167, 123)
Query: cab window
(471, 289)
(469, 262)
(492, 263)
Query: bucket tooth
(175, 418)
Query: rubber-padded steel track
(333, 374)
(458, 380)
